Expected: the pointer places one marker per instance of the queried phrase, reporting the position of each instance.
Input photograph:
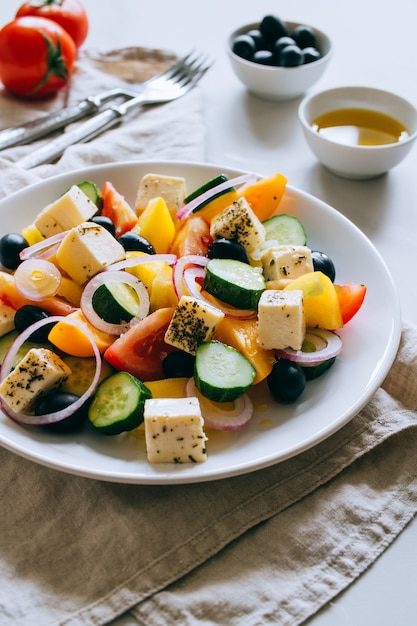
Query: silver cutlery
(47, 124)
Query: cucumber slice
(214, 182)
(217, 180)
(285, 229)
(118, 404)
(234, 282)
(92, 191)
(314, 371)
(82, 373)
(7, 340)
(222, 373)
(116, 302)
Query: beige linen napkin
(265, 548)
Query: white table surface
(375, 45)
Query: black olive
(286, 381)
(258, 38)
(10, 247)
(244, 46)
(304, 36)
(27, 315)
(227, 249)
(105, 222)
(264, 57)
(273, 28)
(133, 241)
(311, 54)
(178, 364)
(282, 43)
(60, 400)
(323, 263)
(291, 56)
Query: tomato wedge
(141, 350)
(351, 297)
(116, 207)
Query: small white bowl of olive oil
(358, 132)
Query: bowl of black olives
(277, 59)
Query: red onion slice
(113, 277)
(42, 248)
(244, 179)
(57, 416)
(321, 344)
(37, 279)
(139, 260)
(179, 268)
(220, 418)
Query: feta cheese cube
(86, 250)
(286, 262)
(281, 321)
(171, 188)
(71, 209)
(193, 323)
(7, 314)
(39, 372)
(174, 431)
(239, 222)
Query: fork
(35, 129)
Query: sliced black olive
(105, 222)
(10, 247)
(27, 315)
(323, 263)
(178, 364)
(134, 242)
(227, 249)
(286, 381)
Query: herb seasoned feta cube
(86, 250)
(171, 188)
(239, 222)
(193, 323)
(174, 431)
(286, 262)
(71, 209)
(39, 372)
(281, 319)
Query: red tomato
(36, 57)
(141, 350)
(117, 209)
(69, 14)
(192, 238)
(351, 297)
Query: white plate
(276, 432)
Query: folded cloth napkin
(270, 547)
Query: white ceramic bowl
(279, 83)
(357, 162)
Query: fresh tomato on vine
(70, 14)
(37, 57)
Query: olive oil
(360, 127)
